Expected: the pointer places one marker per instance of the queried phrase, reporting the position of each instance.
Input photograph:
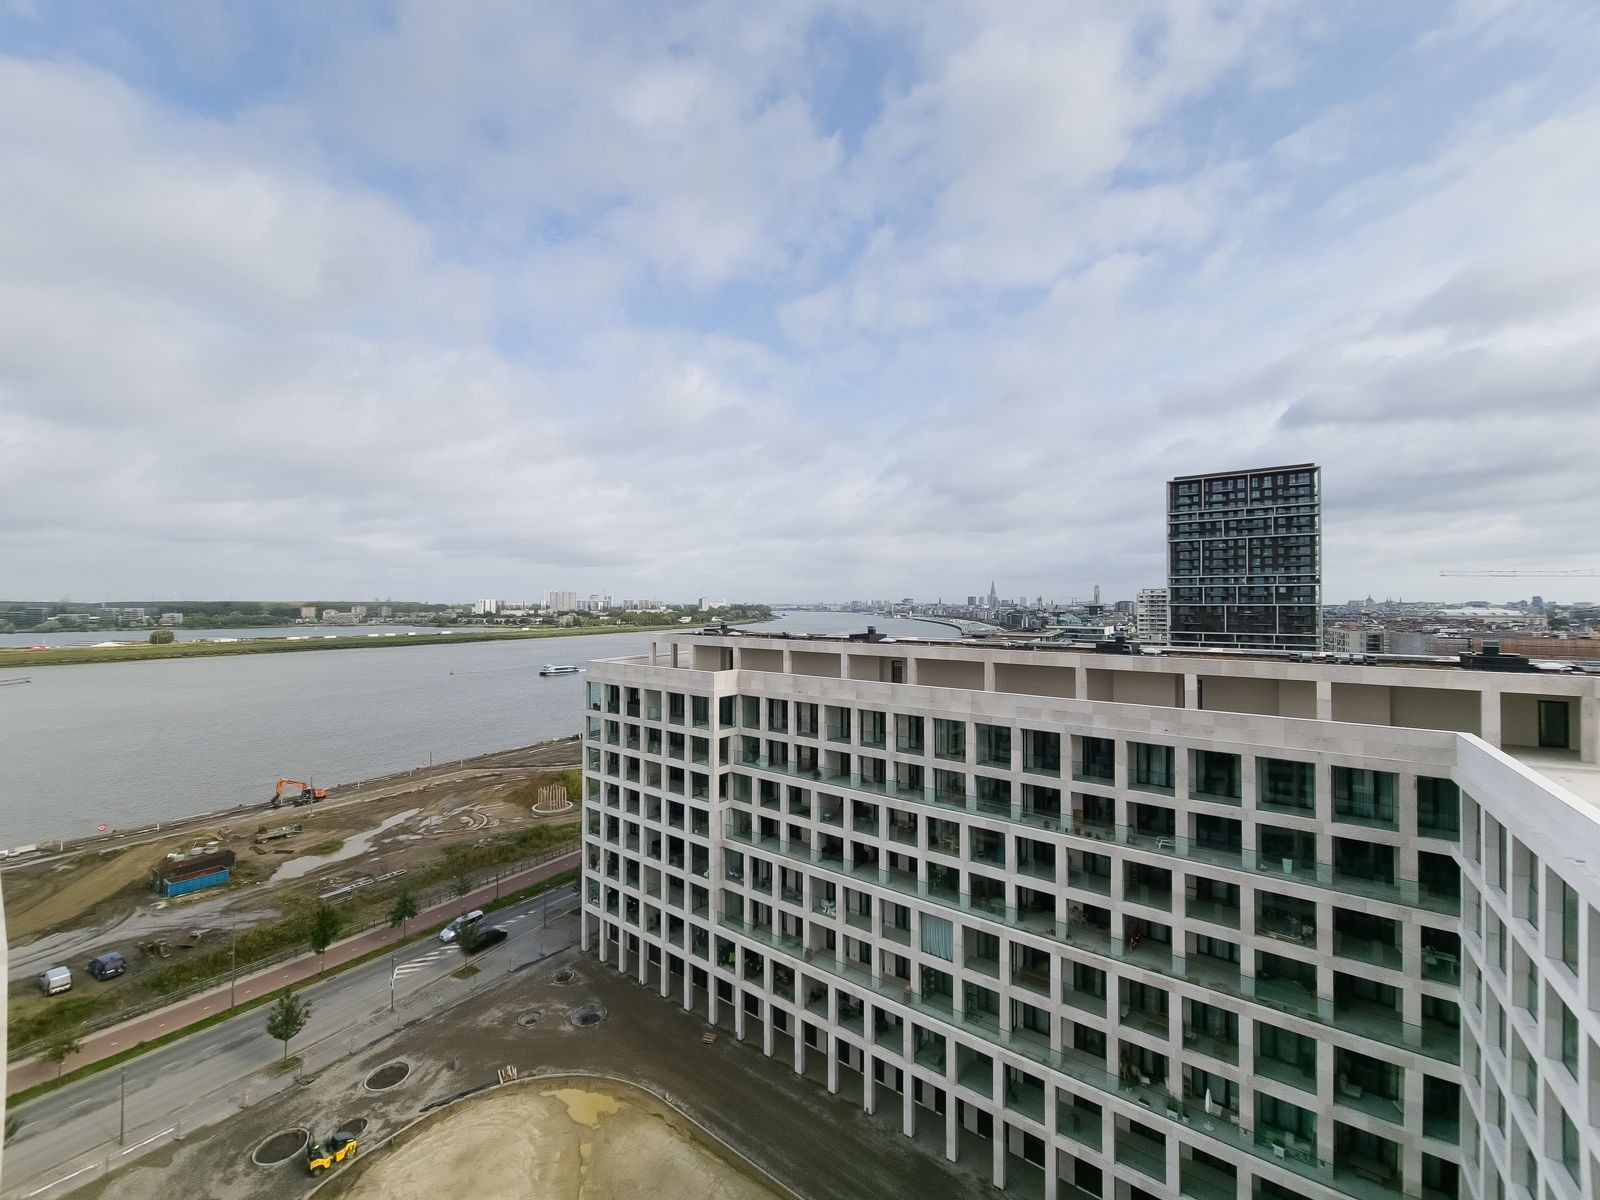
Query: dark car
(106, 966)
(480, 940)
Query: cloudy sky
(788, 299)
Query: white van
(448, 933)
(56, 979)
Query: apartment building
(1126, 926)
(1244, 559)
(1150, 616)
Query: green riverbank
(18, 656)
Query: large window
(1364, 796)
(1286, 785)
(994, 746)
(1215, 776)
(1438, 808)
(949, 739)
(1152, 768)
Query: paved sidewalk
(28, 1072)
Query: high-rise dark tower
(1244, 559)
(994, 596)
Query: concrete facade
(1149, 925)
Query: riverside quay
(1123, 925)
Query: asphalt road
(204, 1077)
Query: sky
(791, 300)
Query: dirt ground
(70, 906)
(566, 1144)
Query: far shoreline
(62, 656)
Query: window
(1438, 808)
(1364, 796)
(1097, 760)
(949, 739)
(994, 746)
(1152, 767)
(1569, 926)
(1215, 776)
(1289, 785)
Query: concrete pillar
(869, 1089)
(1191, 691)
(666, 973)
(583, 929)
(711, 997)
(1489, 716)
(911, 669)
(738, 1013)
(1324, 699)
(988, 674)
(800, 1048)
(952, 1132)
(908, 1104)
(833, 1064)
(644, 960)
(998, 1151)
(688, 980)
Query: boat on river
(549, 669)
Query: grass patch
(466, 972)
(13, 1102)
(287, 1064)
(332, 846)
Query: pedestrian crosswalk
(421, 962)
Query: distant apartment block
(485, 608)
(1244, 559)
(1126, 927)
(172, 618)
(1150, 616)
(562, 602)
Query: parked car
(106, 966)
(448, 933)
(481, 939)
(56, 979)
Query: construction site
(183, 900)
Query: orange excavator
(306, 795)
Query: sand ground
(563, 1144)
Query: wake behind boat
(549, 669)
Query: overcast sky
(788, 300)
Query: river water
(125, 744)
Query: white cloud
(492, 300)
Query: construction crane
(1584, 574)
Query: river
(125, 744)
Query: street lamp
(122, 1106)
(394, 966)
(233, 961)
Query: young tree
(163, 637)
(460, 884)
(403, 909)
(326, 923)
(60, 1048)
(287, 1017)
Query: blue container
(180, 887)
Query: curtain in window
(938, 937)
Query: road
(202, 1078)
(26, 1073)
